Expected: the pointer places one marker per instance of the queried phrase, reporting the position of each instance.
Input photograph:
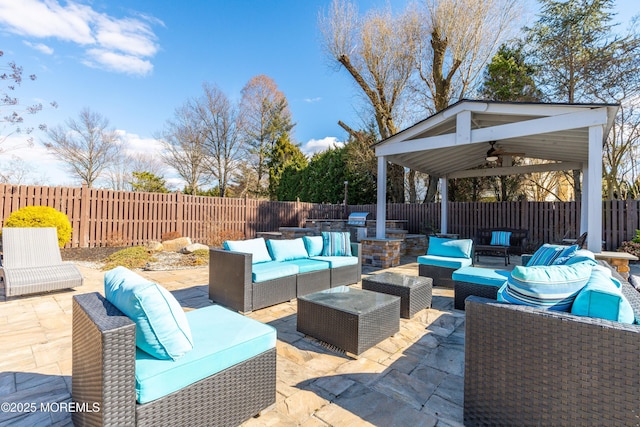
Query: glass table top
(350, 300)
(397, 279)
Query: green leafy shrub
(637, 238)
(42, 216)
(135, 257)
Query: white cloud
(319, 145)
(118, 62)
(122, 45)
(313, 100)
(40, 47)
(134, 144)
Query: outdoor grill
(357, 223)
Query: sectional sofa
(526, 365)
(247, 275)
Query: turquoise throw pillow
(336, 243)
(256, 247)
(546, 255)
(285, 250)
(565, 255)
(162, 329)
(454, 248)
(550, 287)
(500, 238)
(314, 245)
(603, 299)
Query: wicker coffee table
(414, 291)
(353, 320)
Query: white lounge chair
(32, 262)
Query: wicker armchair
(526, 366)
(103, 382)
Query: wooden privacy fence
(119, 218)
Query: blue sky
(136, 62)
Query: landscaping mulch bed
(96, 257)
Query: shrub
(637, 238)
(42, 216)
(135, 257)
(170, 235)
(631, 247)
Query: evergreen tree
(508, 77)
(284, 154)
(148, 182)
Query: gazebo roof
(457, 138)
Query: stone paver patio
(414, 378)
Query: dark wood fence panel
(117, 218)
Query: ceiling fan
(494, 153)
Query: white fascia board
(420, 144)
(545, 110)
(581, 119)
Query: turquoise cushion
(256, 247)
(162, 329)
(500, 238)
(452, 248)
(551, 287)
(481, 276)
(336, 243)
(443, 261)
(307, 265)
(546, 254)
(284, 250)
(602, 298)
(314, 245)
(337, 261)
(566, 254)
(272, 270)
(222, 338)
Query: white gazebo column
(443, 204)
(584, 199)
(381, 212)
(594, 189)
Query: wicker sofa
(104, 381)
(527, 366)
(231, 283)
(444, 256)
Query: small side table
(415, 292)
(618, 260)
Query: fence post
(246, 216)
(179, 209)
(84, 215)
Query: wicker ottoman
(481, 282)
(353, 320)
(414, 291)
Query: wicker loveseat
(105, 374)
(232, 284)
(527, 366)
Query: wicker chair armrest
(356, 250)
(230, 280)
(103, 357)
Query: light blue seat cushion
(307, 265)
(451, 248)
(551, 287)
(162, 329)
(272, 270)
(222, 338)
(256, 247)
(337, 261)
(602, 298)
(314, 245)
(336, 243)
(444, 261)
(481, 276)
(500, 238)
